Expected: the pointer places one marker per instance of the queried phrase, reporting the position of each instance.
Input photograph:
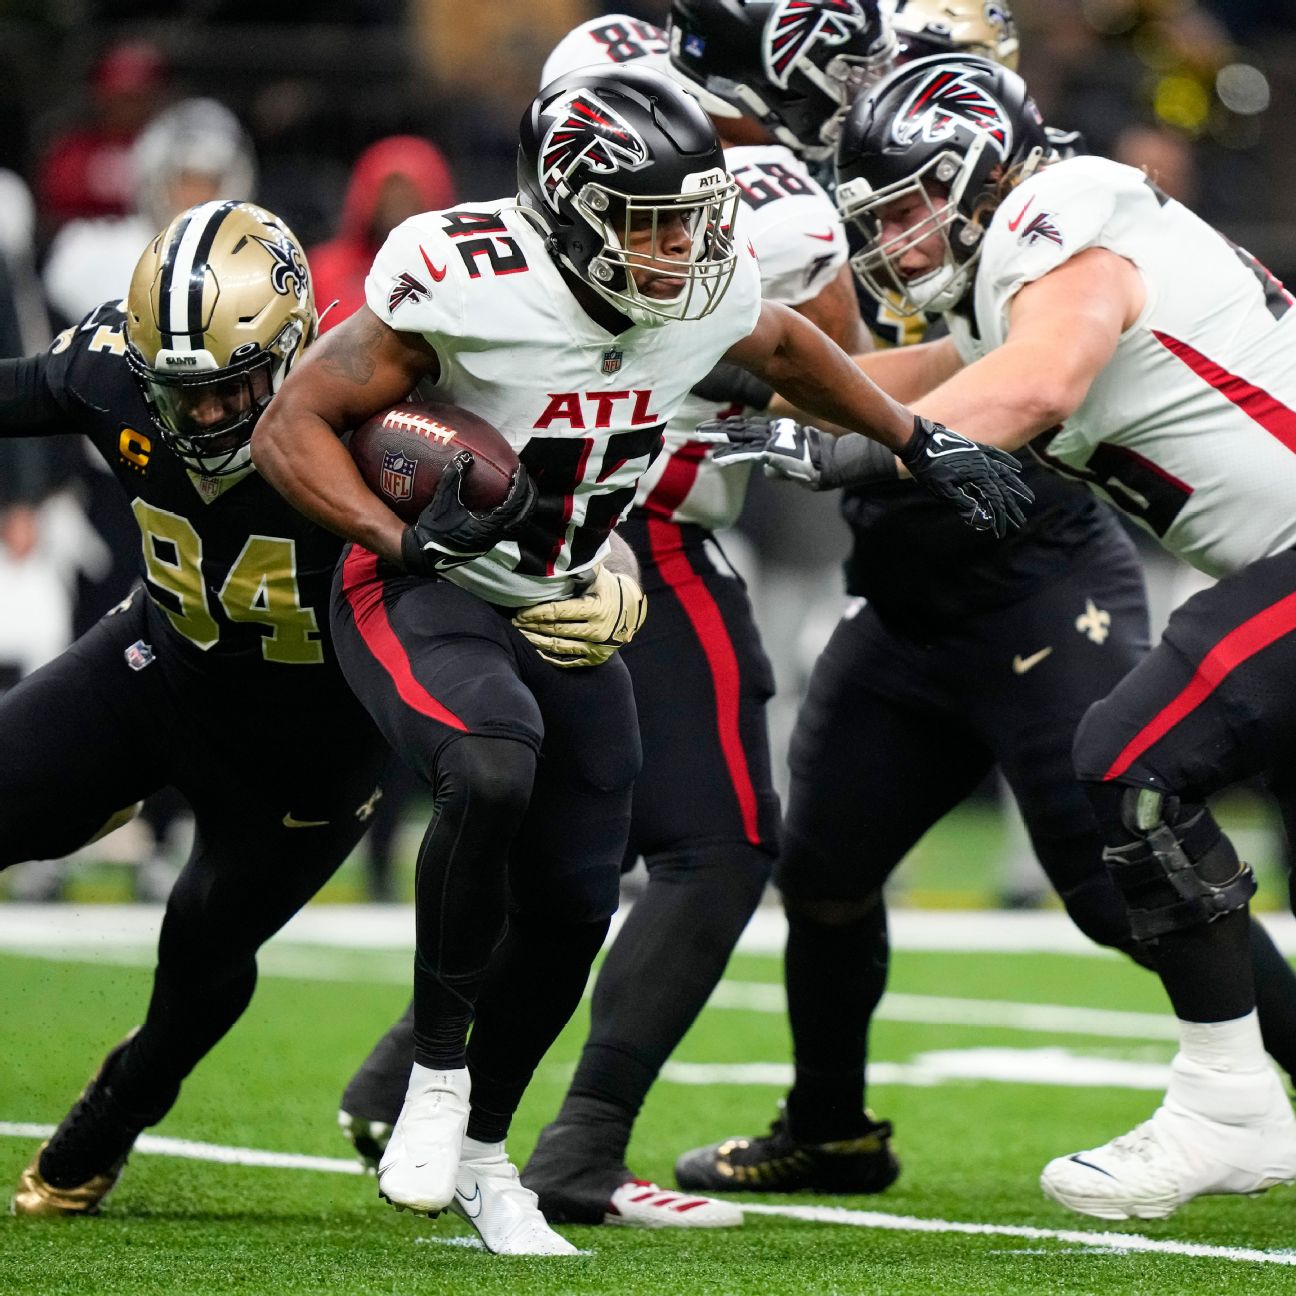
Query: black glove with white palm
(448, 533)
(982, 482)
(799, 452)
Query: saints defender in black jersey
(215, 675)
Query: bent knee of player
(1097, 742)
(489, 777)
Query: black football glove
(730, 384)
(801, 453)
(448, 533)
(982, 482)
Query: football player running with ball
(575, 320)
(939, 670)
(1174, 397)
(216, 674)
(705, 814)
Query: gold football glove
(587, 629)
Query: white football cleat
(418, 1166)
(639, 1203)
(490, 1196)
(1215, 1132)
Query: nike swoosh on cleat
(466, 1202)
(1012, 224)
(1022, 664)
(290, 822)
(1089, 1165)
(437, 275)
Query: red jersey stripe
(363, 590)
(1272, 415)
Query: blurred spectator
(86, 171)
(193, 152)
(393, 179)
(1165, 155)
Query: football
(402, 452)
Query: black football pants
(256, 751)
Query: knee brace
(1177, 870)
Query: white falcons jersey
(800, 245)
(1191, 426)
(583, 408)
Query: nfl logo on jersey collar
(612, 358)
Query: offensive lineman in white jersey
(1136, 349)
(705, 813)
(575, 320)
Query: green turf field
(971, 1148)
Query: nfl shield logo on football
(612, 358)
(397, 475)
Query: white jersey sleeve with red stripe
(584, 408)
(1191, 426)
(800, 244)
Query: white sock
(1233, 1046)
(476, 1150)
(422, 1077)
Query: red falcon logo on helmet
(795, 26)
(584, 129)
(948, 97)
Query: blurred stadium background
(1202, 92)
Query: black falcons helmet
(791, 65)
(946, 130)
(608, 150)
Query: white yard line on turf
(391, 927)
(1041, 1066)
(1108, 1241)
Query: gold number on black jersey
(261, 587)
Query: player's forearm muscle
(904, 373)
(815, 375)
(360, 367)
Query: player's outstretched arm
(352, 372)
(982, 485)
(812, 373)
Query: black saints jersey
(234, 574)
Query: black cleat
(78, 1167)
(776, 1162)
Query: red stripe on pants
(1236, 647)
(708, 624)
(363, 590)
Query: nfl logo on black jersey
(397, 476)
(612, 358)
